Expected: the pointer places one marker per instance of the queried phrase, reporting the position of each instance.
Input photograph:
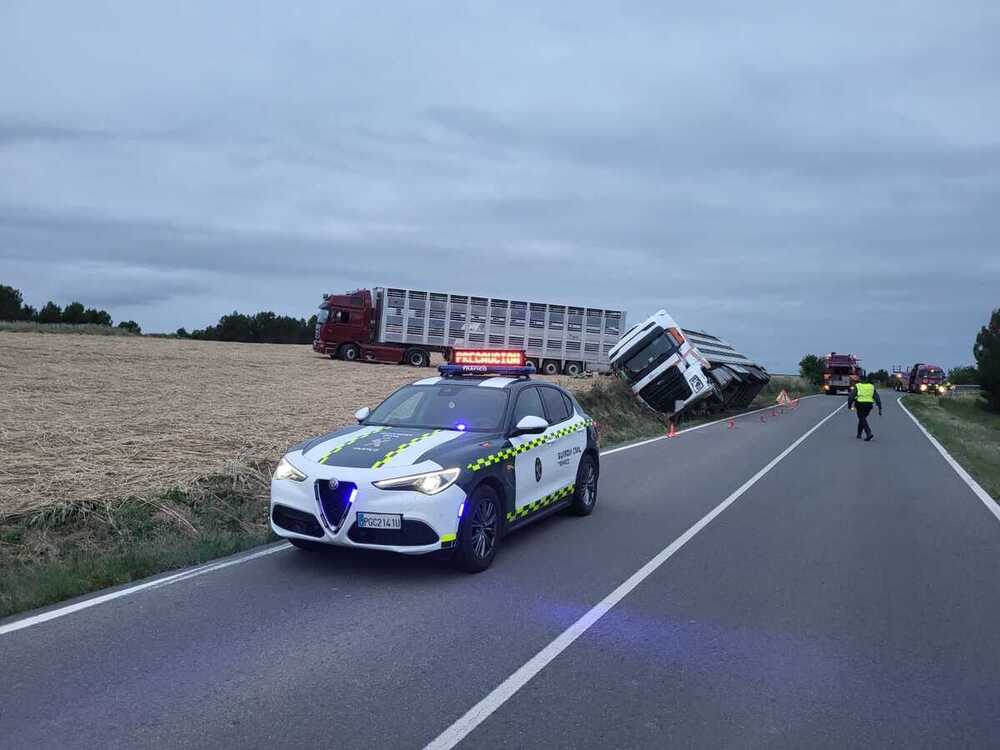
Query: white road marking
(183, 575)
(991, 505)
(509, 687)
(699, 427)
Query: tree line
(260, 328)
(985, 373)
(13, 308)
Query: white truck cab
(662, 367)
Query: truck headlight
(285, 470)
(430, 483)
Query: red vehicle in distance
(925, 378)
(840, 372)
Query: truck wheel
(350, 352)
(550, 367)
(573, 369)
(533, 362)
(417, 358)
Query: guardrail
(964, 390)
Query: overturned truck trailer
(674, 369)
(737, 378)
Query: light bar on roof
(488, 357)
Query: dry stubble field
(93, 418)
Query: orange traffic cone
(673, 431)
(732, 424)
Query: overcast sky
(792, 178)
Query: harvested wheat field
(94, 418)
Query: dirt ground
(92, 418)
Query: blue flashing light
(350, 500)
(461, 427)
(461, 509)
(452, 370)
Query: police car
(453, 463)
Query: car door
(566, 443)
(535, 464)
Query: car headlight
(923, 386)
(430, 483)
(285, 470)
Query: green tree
(987, 353)
(963, 375)
(811, 368)
(51, 313)
(96, 317)
(881, 377)
(10, 303)
(130, 325)
(182, 333)
(73, 314)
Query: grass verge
(61, 552)
(969, 433)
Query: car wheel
(550, 367)
(350, 352)
(305, 544)
(479, 534)
(417, 358)
(585, 493)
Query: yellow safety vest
(866, 393)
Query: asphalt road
(850, 597)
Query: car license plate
(380, 521)
(696, 383)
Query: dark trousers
(863, 411)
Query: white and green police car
(447, 463)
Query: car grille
(296, 521)
(413, 534)
(669, 387)
(334, 500)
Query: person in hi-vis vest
(862, 397)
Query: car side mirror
(362, 414)
(531, 425)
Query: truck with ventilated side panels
(405, 326)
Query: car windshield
(650, 355)
(443, 407)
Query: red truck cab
(347, 328)
(840, 372)
(925, 378)
(344, 324)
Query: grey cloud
(773, 173)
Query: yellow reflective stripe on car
(396, 451)
(445, 538)
(507, 453)
(541, 503)
(362, 434)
